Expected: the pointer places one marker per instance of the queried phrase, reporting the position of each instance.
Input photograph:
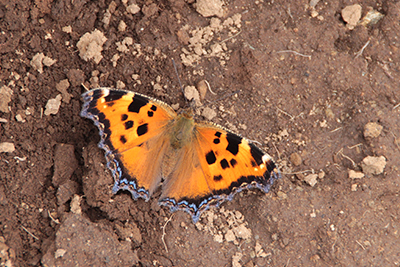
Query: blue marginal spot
(196, 211)
(191, 208)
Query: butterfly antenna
(225, 96)
(177, 75)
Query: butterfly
(198, 164)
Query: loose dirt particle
(62, 87)
(90, 46)
(5, 96)
(209, 113)
(373, 165)
(191, 93)
(7, 147)
(122, 26)
(372, 130)
(67, 29)
(133, 9)
(53, 105)
(355, 175)
(208, 8)
(150, 10)
(39, 59)
(6, 253)
(203, 88)
(351, 15)
(295, 158)
(371, 18)
(311, 179)
(76, 205)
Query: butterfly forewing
(132, 128)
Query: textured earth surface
(308, 81)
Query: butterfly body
(182, 130)
(199, 164)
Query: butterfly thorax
(182, 129)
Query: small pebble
(19, 118)
(351, 15)
(372, 130)
(355, 175)
(121, 26)
(203, 88)
(133, 9)
(282, 195)
(209, 113)
(354, 187)
(7, 147)
(53, 105)
(373, 165)
(311, 179)
(209, 8)
(295, 158)
(191, 93)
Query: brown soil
(303, 90)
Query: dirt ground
(308, 82)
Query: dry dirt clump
(208, 8)
(209, 41)
(90, 46)
(39, 60)
(225, 225)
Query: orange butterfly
(200, 164)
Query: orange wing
(132, 129)
(214, 168)
(204, 166)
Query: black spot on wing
(216, 141)
(233, 162)
(233, 143)
(124, 117)
(210, 157)
(218, 134)
(254, 163)
(128, 125)
(224, 164)
(217, 178)
(92, 110)
(122, 139)
(114, 95)
(150, 113)
(142, 129)
(153, 108)
(110, 104)
(137, 103)
(256, 153)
